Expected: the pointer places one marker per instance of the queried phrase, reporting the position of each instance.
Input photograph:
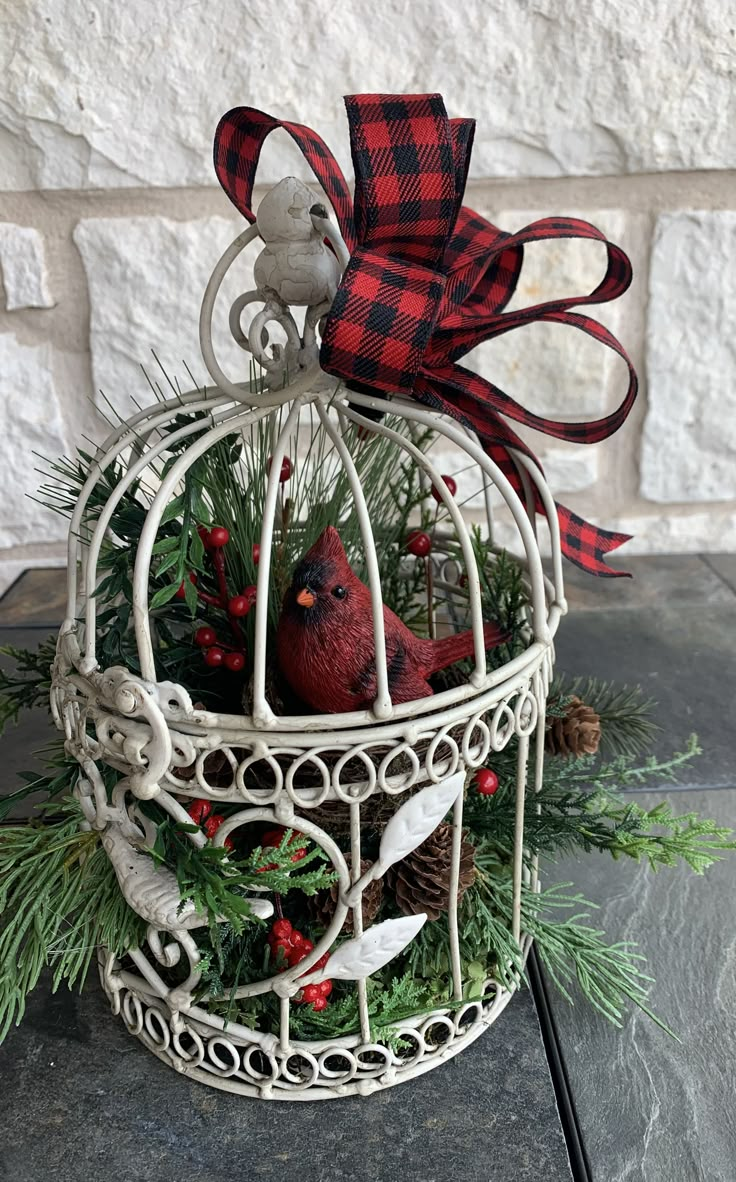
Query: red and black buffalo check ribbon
(428, 279)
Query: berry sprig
(288, 949)
(218, 653)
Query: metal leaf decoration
(368, 953)
(415, 820)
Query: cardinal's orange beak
(306, 598)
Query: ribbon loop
(428, 279)
(381, 321)
(410, 168)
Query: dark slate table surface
(82, 1099)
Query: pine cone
(421, 880)
(578, 733)
(322, 905)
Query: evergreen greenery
(59, 900)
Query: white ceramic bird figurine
(295, 264)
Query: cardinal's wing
(405, 682)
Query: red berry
(449, 483)
(319, 1003)
(199, 810)
(212, 824)
(285, 472)
(180, 589)
(307, 946)
(296, 956)
(272, 838)
(418, 543)
(204, 534)
(268, 866)
(219, 537)
(214, 657)
(322, 960)
(256, 553)
(325, 988)
(282, 929)
(250, 594)
(205, 636)
(234, 662)
(486, 781)
(297, 939)
(311, 993)
(238, 606)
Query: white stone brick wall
(618, 111)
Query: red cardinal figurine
(325, 638)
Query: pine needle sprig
(609, 976)
(484, 936)
(627, 723)
(578, 809)
(218, 883)
(389, 1003)
(59, 900)
(27, 685)
(58, 780)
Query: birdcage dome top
(169, 437)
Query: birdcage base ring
(201, 1050)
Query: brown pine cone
(322, 905)
(578, 733)
(421, 880)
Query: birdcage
(322, 776)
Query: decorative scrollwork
(236, 1060)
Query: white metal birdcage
(284, 768)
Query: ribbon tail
(586, 545)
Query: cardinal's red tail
(455, 648)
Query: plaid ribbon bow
(428, 279)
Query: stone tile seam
(719, 574)
(633, 193)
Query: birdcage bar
(382, 706)
(132, 474)
(355, 872)
(262, 713)
(452, 913)
(518, 864)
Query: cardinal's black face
(316, 594)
